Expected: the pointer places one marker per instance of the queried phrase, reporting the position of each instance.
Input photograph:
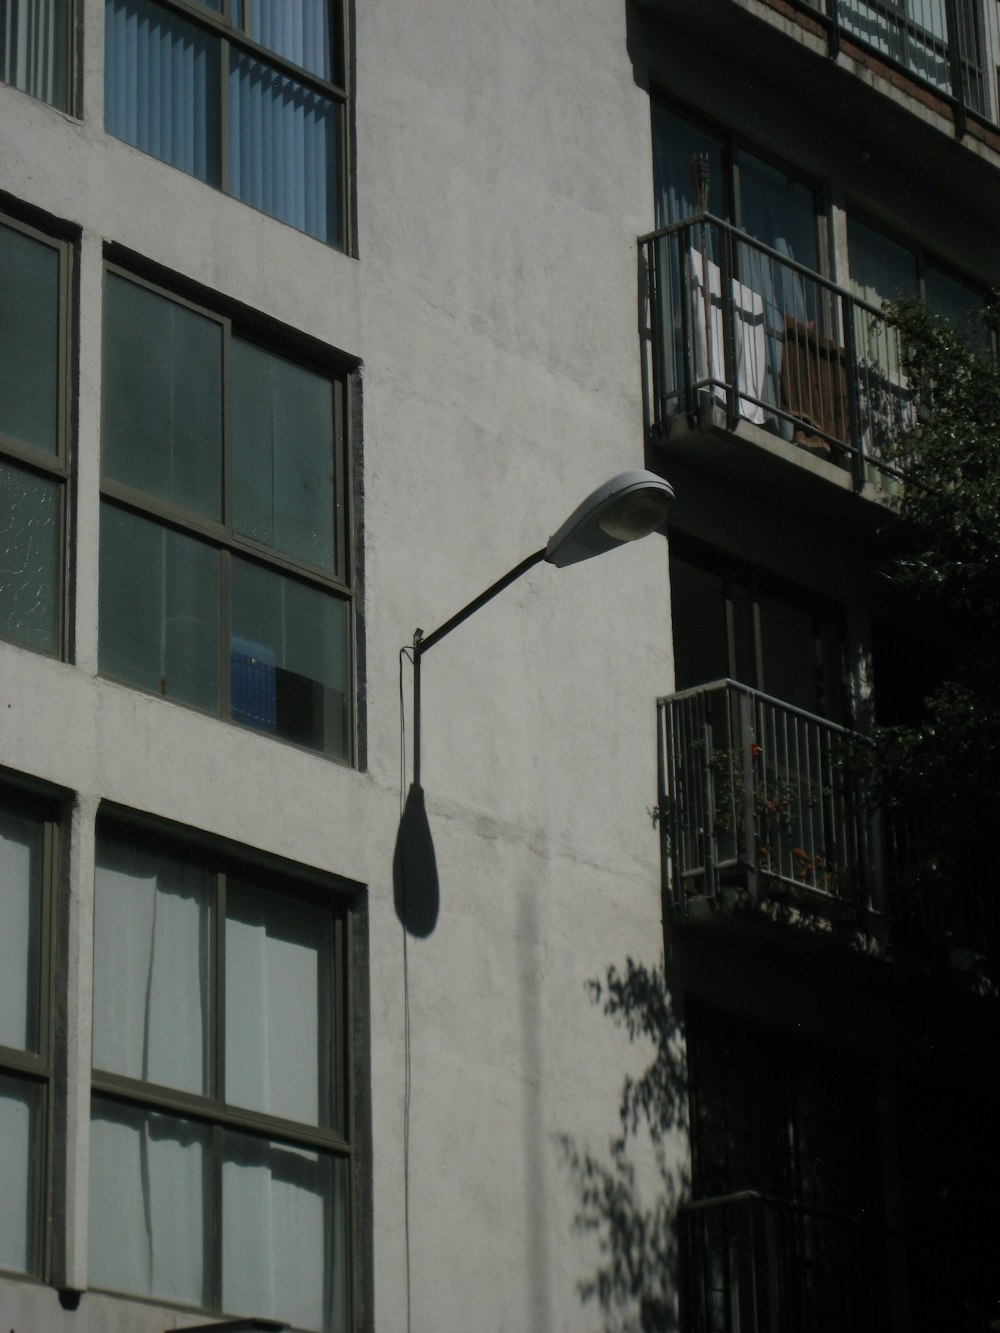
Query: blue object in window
(254, 685)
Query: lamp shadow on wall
(415, 884)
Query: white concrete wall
(502, 177)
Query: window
(774, 304)
(35, 46)
(247, 95)
(224, 537)
(33, 444)
(220, 1140)
(737, 623)
(26, 861)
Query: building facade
(314, 319)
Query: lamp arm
(422, 642)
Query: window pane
(790, 651)
(881, 270)
(152, 942)
(20, 1175)
(283, 455)
(284, 145)
(149, 1185)
(21, 851)
(279, 1005)
(675, 143)
(698, 615)
(30, 583)
(299, 30)
(953, 299)
(33, 47)
(161, 86)
(290, 646)
(163, 398)
(284, 1225)
(29, 339)
(159, 609)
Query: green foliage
(943, 772)
(950, 462)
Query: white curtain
(151, 942)
(20, 866)
(18, 1132)
(278, 971)
(33, 47)
(148, 1183)
(283, 1233)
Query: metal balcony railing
(752, 787)
(950, 46)
(754, 1264)
(763, 801)
(734, 323)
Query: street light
(629, 506)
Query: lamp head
(627, 507)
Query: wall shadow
(415, 885)
(629, 1195)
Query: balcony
(951, 48)
(753, 1264)
(766, 817)
(745, 342)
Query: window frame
(222, 25)
(38, 1067)
(339, 1141)
(37, 462)
(337, 583)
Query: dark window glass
(163, 420)
(220, 448)
(32, 437)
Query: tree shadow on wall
(628, 1197)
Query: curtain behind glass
(284, 1230)
(284, 141)
(780, 212)
(20, 1118)
(33, 48)
(299, 30)
(151, 985)
(161, 86)
(21, 846)
(675, 143)
(149, 1185)
(279, 976)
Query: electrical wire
(407, 654)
